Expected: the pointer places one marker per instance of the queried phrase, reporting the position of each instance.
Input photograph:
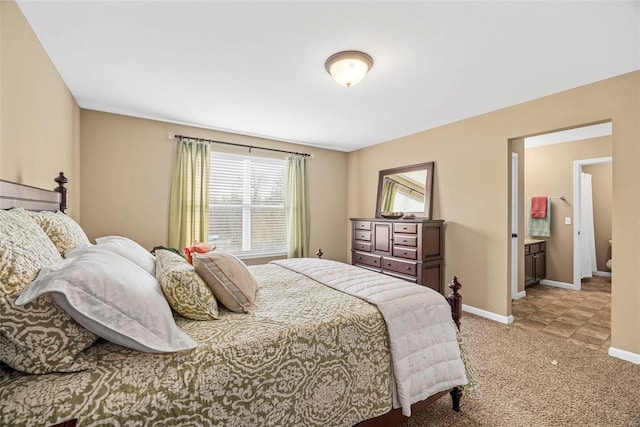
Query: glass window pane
(247, 203)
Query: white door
(514, 228)
(577, 216)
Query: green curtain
(189, 203)
(296, 207)
(389, 189)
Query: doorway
(557, 158)
(551, 172)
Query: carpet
(527, 378)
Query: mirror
(406, 189)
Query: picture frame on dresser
(407, 190)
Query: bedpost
(62, 180)
(456, 395)
(319, 253)
(455, 300)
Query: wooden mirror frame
(428, 188)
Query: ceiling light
(348, 68)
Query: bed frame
(37, 199)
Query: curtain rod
(411, 190)
(235, 144)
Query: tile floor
(582, 317)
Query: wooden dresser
(411, 249)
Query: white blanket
(422, 336)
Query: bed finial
(319, 253)
(455, 300)
(62, 180)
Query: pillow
(231, 282)
(39, 337)
(185, 291)
(130, 250)
(63, 231)
(112, 297)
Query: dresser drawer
(399, 266)
(534, 248)
(362, 225)
(405, 240)
(366, 259)
(362, 246)
(405, 228)
(412, 279)
(403, 252)
(365, 236)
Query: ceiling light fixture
(349, 67)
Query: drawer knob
(408, 268)
(388, 264)
(359, 258)
(404, 253)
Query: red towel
(539, 207)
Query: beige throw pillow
(183, 288)
(228, 277)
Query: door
(382, 237)
(577, 216)
(514, 227)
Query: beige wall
(39, 127)
(549, 171)
(472, 182)
(39, 118)
(126, 170)
(601, 188)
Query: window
(408, 201)
(246, 204)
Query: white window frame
(246, 252)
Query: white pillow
(130, 250)
(113, 298)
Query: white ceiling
(257, 67)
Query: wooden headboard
(14, 195)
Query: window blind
(246, 204)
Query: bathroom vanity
(535, 261)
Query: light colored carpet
(532, 379)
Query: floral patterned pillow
(183, 288)
(63, 231)
(38, 337)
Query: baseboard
(487, 314)
(563, 285)
(623, 354)
(602, 273)
(519, 295)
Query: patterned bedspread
(306, 355)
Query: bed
(306, 354)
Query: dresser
(410, 249)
